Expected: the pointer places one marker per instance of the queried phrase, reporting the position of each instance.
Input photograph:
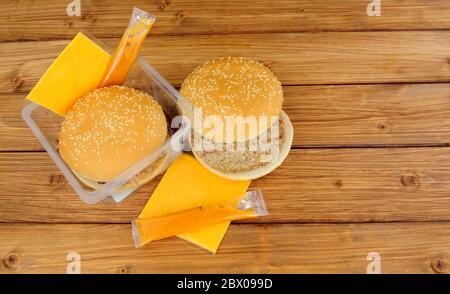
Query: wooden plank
(403, 248)
(369, 115)
(296, 58)
(47, 19)
(324, 116)
(313, 185)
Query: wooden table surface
(369, 98)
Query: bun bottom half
(138, 180)
(244, 166)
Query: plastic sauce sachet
(140, 24)
(155, 228)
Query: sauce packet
(140, 24)
(155, 228)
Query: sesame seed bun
(108, 130)
(247, 164)
(237, 87)
(232, 86)
(141, 178)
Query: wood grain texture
(323, 116)
(47, 19)
(295, 58)
(313, 185)
(329, 207)
(403, 247)
(369, 115)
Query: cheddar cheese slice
(77, 70)
(187, 185)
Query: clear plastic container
(45, 125)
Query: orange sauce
(157, 228)
(126, 54)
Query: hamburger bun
(141, 178)
(237, 87)
(248, 165)
(108, 130)
(233, 87)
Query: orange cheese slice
(187, 185)
(77, 70)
